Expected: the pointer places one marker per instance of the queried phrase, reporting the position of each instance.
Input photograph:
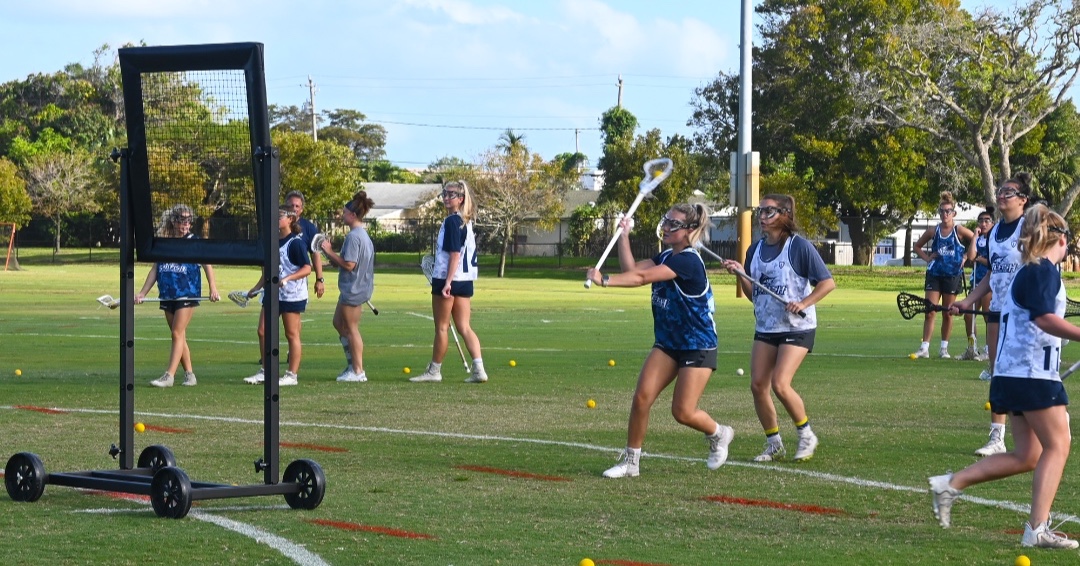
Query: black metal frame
(304, 483)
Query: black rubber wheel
(313, 484)
(170, 493)
(24, 477)
(156, 457)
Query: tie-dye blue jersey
(950, 254)
(683, 307)
(176, 280)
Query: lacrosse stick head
(108, 301)
(910, 305)
(316, 242)
(427, 264)
(656, 170)
(240, 298)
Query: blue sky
(444, 77)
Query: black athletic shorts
(691, 358)
(802, 338)
(945, 284)
(173, 306)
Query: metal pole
(745, 200)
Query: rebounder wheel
(24, 477)
(313, 484)
(170, 493)
(156, 457)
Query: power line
(500, 128)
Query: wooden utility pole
(619, 104)
(314, 124)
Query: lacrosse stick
(912, 305)
(428, 266)
(113, 304)
(316, 242)
(241, 299)
(656, 171)
(757, 284)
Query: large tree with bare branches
(61, 184)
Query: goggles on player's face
(943, 211)
(1063, 231)
(184, 219)
(672, 224)
(1006, 193)
(767, 212)
(451, 195)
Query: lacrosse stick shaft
(427, 265)
(374, 310)
(615, 236)
(1070, 371)
(757, 284)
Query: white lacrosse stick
(113, 304)
(241, 298)
(316, 242)
(656, 171)
(427, 264)
(701, 248)
(1070, 371)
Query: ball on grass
(739, 371)
(590, 404)
(18, 372)
(912, 355)
(611, 363)
(407, 370)
(987, 406)
(1022, 561)
(589, 562)
(512, 363)
(139, 427)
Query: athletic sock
(925, 346)
(973, 342)
(772, 433)
(1000, 427)
(478, 364)
(436, 366)
(944, 344)
(804, 426)
(345, 346)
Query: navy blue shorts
(802, 338)
(173, 306)
(691, 358)
(292, 306)
(457, 288)
(1017, 394)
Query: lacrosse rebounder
(199, 137)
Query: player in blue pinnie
(179, 285)
(1026, 383)
(452, 283)
(790, 266)
(684, 346)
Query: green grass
(881, 418)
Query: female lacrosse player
(944, 270)
(1013, 197)
(452, 282)
(179, 286)
(1026, 382)
(792, 267)
(979, 256)
(292, 293)
(356, 282)
(684, 347)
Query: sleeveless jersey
(779, 276)
(982, 249)
(175, 280)
(456, 235)
(1004, 263)
(297, 289)
(950, 252)
(682, 321)
(1023, 349)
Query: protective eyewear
(1006, 194)
(767, 212)
(673, 225)
(183, 220)
(451, 194)
(1063, 231)
(986, 219)
(946, 211)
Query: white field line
(833, 478)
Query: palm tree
(509, 142)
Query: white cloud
(468, 13)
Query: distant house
(397, 204)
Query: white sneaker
(922, 353)
(1045, 537)
(627, 466)
(166, 380)
(189, 379)
(944, 353)
(984, 375)
(429, 375)
(996, 444)
(971, 353)
(288, 379)
(942, 496)
(807, 444)
(982, 355)
(774, 452)
(256, 379)
(352, 377)
(718, 446)
(478, 376)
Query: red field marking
(368, 528)
(124, 496)
(614, 562)
(511, 473)
(45, 410)
(312, 447)
(811, 509)
(168, 429)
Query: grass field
(507, 472)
